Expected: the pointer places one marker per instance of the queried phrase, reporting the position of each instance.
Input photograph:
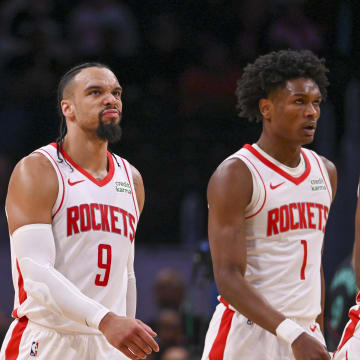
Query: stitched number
(302, 273)
(104, 262)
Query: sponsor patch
(123, 186)
(317, 184)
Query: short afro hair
(272, 71)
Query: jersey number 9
(104, 262)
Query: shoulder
(229, 172)
(32, 191)
(135, 174)
(34, 169)
(139, 186)
(331, 169)
(231, 183)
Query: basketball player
(268, 206)
(349, 346)
(72, 209)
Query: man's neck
(284, 152)
(89, 154)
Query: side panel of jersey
(94, 225)
(285, 225)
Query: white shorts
(26, 340)
(231, 336)
(349, 347)
(350, 351)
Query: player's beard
(110, 131)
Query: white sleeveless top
(94, 224)
(284, 227)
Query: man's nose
(110, 99)
(311, 110)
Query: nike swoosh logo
(75, 182)
(313, 328)
(272, 187)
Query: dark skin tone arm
(228, 250)
(32, 192)
(331, 169)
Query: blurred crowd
(178, 62)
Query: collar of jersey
(100, 183)
(296, 180)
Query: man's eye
(299, 101)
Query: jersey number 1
(302, 272)
(104, 262)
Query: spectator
(175, 353)
(291, 28)
(170, 291)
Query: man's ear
(265, 107)
(67, 109)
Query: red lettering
(320, 208)
(104, 218)
(132, 223)
(85, 222)
(326, 212)
(310, 215)
(293, 226)
(302, 218)
(284, 218)
(72, 218)
(273, 218)
(94, 225)
(114, 218)
(124, 214)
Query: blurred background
(178, 62)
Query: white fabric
(131, 289)
(34, 249)
(349, 344)
(350, 351)
(284, 230)
(48, 344)
(296, 171)
(275, 261)
(246, 340)
(94, 224)
(289, 331)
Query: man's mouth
(310, 129)
(111, 113)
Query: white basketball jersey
(285, 225)
(352, 328)
(94, 224)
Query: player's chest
(295, 207)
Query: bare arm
(228, 246)
(332, 172)
(32, 193)
(320, 318)
(229, 192)
(139, 187)
(331, 169)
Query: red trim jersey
(284, 228)
(94, 224)
(352, 328)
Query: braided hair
(64, 81)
